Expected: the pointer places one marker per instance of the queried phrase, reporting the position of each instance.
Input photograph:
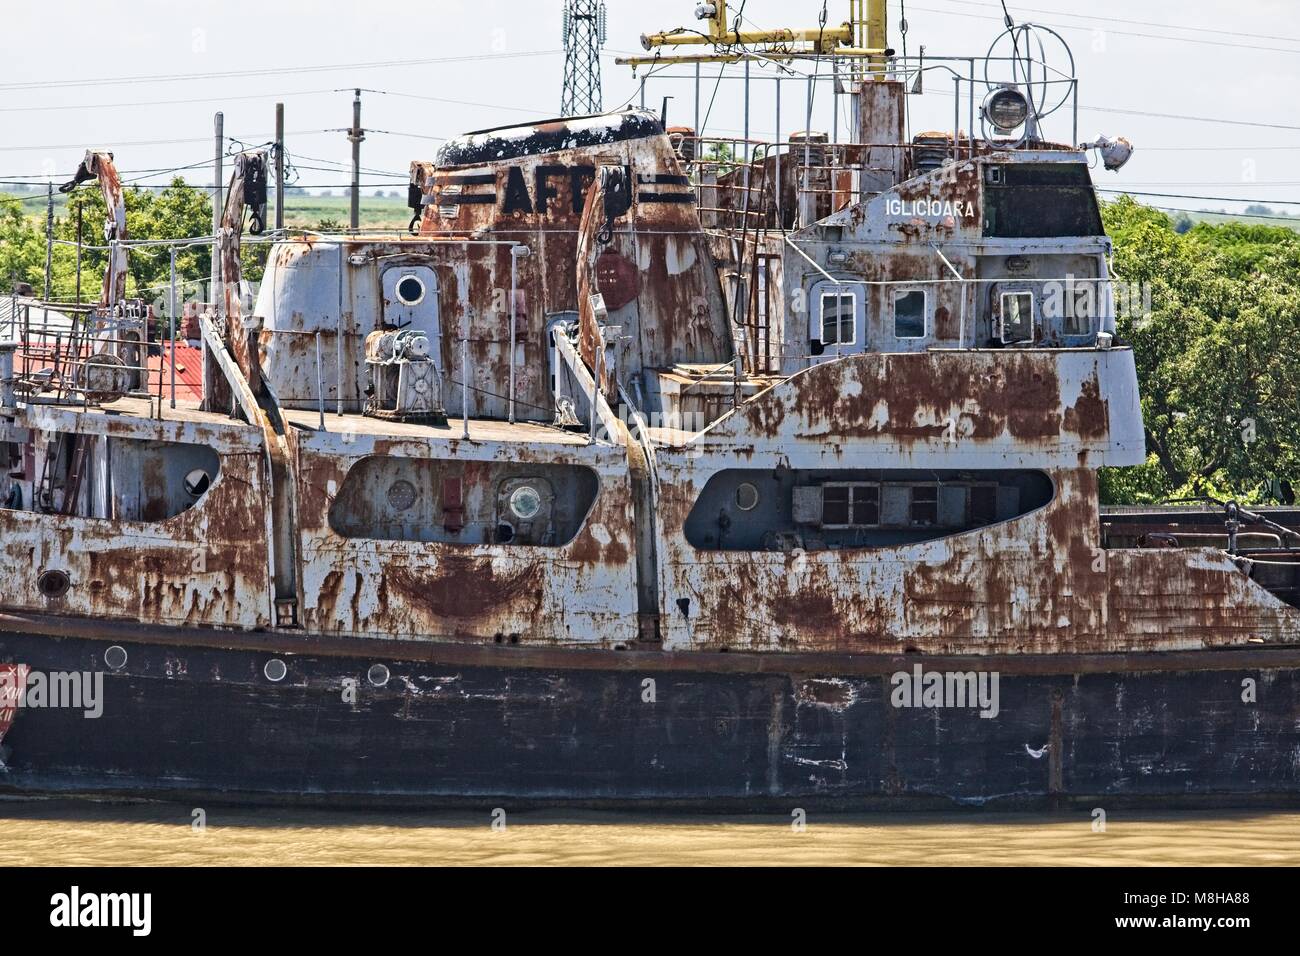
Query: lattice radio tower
(584, 35)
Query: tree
(22, 246)
(175, 212)
(1218, 356)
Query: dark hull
(192, 716)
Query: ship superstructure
(762, 423)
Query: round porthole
(410, 290)
(115, 657)
(525, 502)
(746, 496)
(378, 674)
(197, 482)
(275, 670)
(401, 495)
(53, 584)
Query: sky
(144, 79)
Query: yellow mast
(866, 23)
(877, 30)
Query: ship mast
(862, 36)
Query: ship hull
(192, 715)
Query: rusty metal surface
(207, 566)
(581, 593)
(1022, 408)
(461, 654)
(1038, 584)
(538, 196)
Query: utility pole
(584, 34)
(78, 253)
(211, 375)
(279, 166)
(355, 136)
(218, 144)
(49, 236)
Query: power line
(1128, 33)
(184, 102)
(158, 142)
(1140, 23)
(1235, 215)
(455, 102)
(277, 71)
(1249, 199)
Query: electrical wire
(271, 71)
(1146, 36)
(1141, 23)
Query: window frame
(843, 289)
(898, 292)
(839, 293)
(1035, 314)
(912, 489)
(851, 486)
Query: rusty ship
(645, 467)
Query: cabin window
(839, 318)
(850, 506)
(909, 314)
(924, 508)
(1080, 305)
(1016, 322)
(983, 504)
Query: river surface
(52, 833)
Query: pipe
(338, 336)
(776, 146)
(171, 311)
(279, 166)
(833, 36)
(464, 380)
(516, 253)
(320, 384)
(595, 381)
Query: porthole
(525, 502)
(275, 670)
(53, 584)
(197, 482)
(401, 495)
(410, 290)
(115, 657)
(378, 674)
(746, 496)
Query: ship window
(909, 314)
(983, 504)
(196, 482)
(410, 290)
(925, 505)
(838, 310)
(850, 506)
(1080, 305)
(1017, 318)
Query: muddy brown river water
(52, 833)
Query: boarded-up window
(983, 504)
(925, 505)
(851, 506)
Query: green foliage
(1218, 357)
(175, 212)
(22, 245)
